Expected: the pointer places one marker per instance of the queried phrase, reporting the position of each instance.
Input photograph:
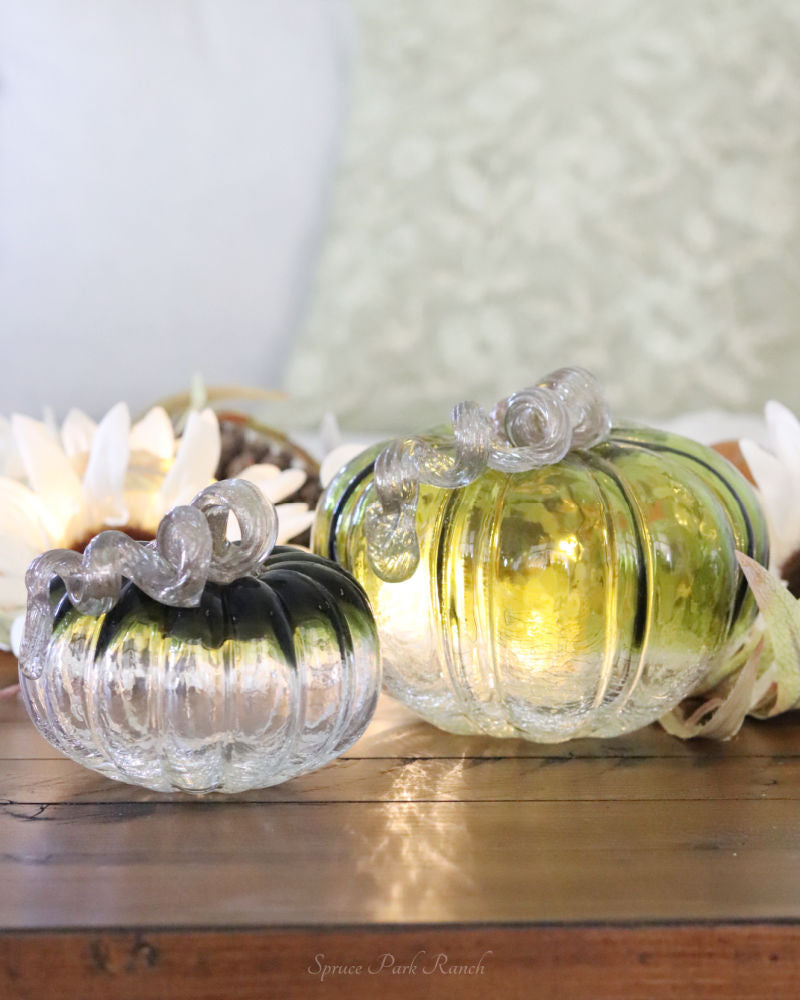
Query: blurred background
(384, 206)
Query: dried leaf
(781, 614)
(727, 713)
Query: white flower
(336, 460)
(61, 488)
(777, 474)
(337, 452)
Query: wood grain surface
(641, 867)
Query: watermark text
(422, 963)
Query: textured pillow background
(528, 184)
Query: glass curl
(190, 549)
(533, 427)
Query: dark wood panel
(281, 864)
(556, 963)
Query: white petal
(50, 422)
(17, 628)
(289, 510)
(336, 460)
(259, 473)
(775, 487)
(145, 509)
(294, 524)
(153, 433)
(21, 515)
(16, 554)
(49, 473)
(767, 470)
(10, 461)
(12, 592)
(784, 430)
(232, 532)
(329, 433)
(293, 519)
(196, 460)
(274, 485)
(14, 467)
(77, 433)
(104, 481)
(198, 394)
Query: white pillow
(527, 185)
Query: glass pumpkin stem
(532, 428)
(190, 550)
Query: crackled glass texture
(585, 598)
(533, 427)
(272, 675)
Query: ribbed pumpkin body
(270, 677)
(585, 598)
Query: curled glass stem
(534, 427)
(189, 550)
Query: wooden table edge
(601, 961)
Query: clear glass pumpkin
(271, 676)
(584, 598)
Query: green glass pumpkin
(584, 598)
(274, 674)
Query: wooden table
(640, 867)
